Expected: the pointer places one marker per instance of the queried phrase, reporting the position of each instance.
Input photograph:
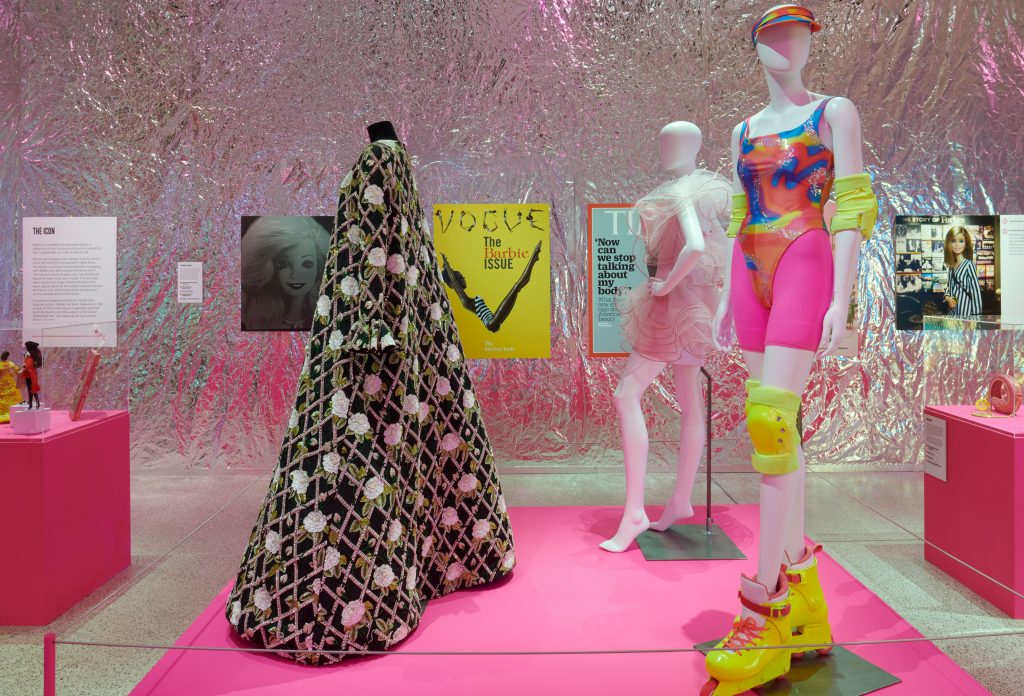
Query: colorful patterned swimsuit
(782, 268)
(786, 177)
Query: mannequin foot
(674, 511)
(631, 526)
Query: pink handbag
(1004, 395)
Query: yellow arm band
(739, 213)
(856, 205)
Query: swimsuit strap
(743, 129)
(819, 112)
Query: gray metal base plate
(839, 674)
(688, 542)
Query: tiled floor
(189, 531)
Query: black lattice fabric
(385, 493)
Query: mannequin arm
(844, 122)
(722, 328)
(689, 223)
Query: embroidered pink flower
(331, 558)
(272, 542)
(339, 404)
(394, 530)
(453, 353)
(352, 613)
(383, 576)
(410, 404)
(410, 578)
(508, 560)
(314, 522)
(501, 504)
(377, 257)
(400, 633)
(469, 399)
(405, 227)
(396, 264)
(412, 276)
(236, 613)
(424, 411)
(353, 235)
(393, 434)
(261, 599)
(372, 384)
(332, 462)
(468, 483)
(442, 385)
(323, 306)
(450, 442)
(373, 488)
(374, 195)
(454, 572)
(359, 423)
(481, 528)
(334, 342)
(435, 312)
(300, 482)
(428, 544)
(349, 286)
(449, 517)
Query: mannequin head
(783, 43)
(679, 142)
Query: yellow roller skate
(737, 668)
(809, 614)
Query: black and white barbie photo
(283, 259)
(910, 282)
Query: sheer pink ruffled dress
(676, 328)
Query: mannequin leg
(636, 377)
(783, 368)
(692, 437)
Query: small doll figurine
(9, 393)
(33, 361)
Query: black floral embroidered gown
(385, 493)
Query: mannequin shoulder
(840, 112)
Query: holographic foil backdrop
(179, 117)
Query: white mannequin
(679, 143)
(783, 51)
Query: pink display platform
(977, 514)
(565, 594)
(66, 526)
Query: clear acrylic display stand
(693, 542)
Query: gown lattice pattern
(385, 493)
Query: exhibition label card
(70, 287)
(1011, 251)
(935, 446)
(614, 247)
(495, 260)
(190, 282)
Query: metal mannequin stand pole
(693, 542)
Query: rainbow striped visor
(781, 15)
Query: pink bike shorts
(801, 292)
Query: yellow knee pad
(772, 423)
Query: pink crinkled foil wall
(180, 117)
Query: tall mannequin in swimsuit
(668, 321)
(787, 297)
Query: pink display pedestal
(977, 514)
(66, 524)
